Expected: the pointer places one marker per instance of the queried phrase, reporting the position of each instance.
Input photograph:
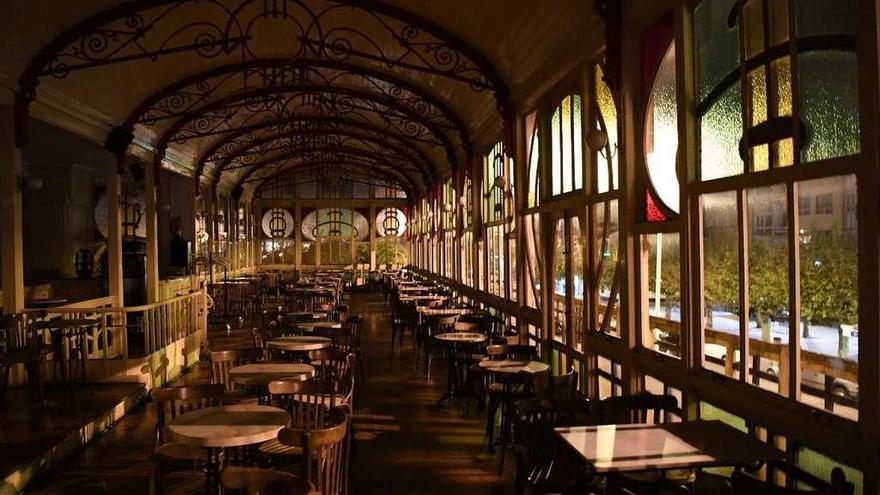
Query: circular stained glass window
(335, 222)
(661, 134)
(391, 222)
(277, 223)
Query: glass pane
(533, 268)
(607, 249)
(577, 140)
(720, 133)
(721, 283)
(717, 44)
(829, 297)
(662, 293)
(606, 122)
(753, 23)
(829, 99)
(578, 242)
(556, 146)
(661, 133)
(308, 253)
(534, 154)
(768, 283)
(820, 465)
(566, 164)
(560, 285)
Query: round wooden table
(216, 428)
(513, 366)
(260, 374)
(300, 343)
(454, 340)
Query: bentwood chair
(325, 462)
(223, 361)
(541, 466)
(171, 402)
(337, 367)
(259, 481)
(17, 348)
(309, 404)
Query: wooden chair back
(466, 326)
(637, 409)
(260, 481)
(223, 361)
(307, 401)
(506, 351)
(338, 367)
(14, 332)
(171, 402)
(743, 484)
(324, 452)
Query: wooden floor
(404, 443)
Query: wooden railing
(153, 326)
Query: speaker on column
(118, 141)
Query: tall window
(498, 208)
(567, 169)
(778, 87)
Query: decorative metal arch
(246, 155)
(200, 88)
(270, 104)
(241, 138)
(152, 29)
(331, 155)
(311, 170)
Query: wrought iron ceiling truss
(386, 37)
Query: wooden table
(688, 445)
(300, 343)
(423, 298)
(216, 428)
(513, 366)
(260, 374)
(310, 327)
(454, 340)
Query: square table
(660, 447)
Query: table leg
(212, 474)
(450, 379)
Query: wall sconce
(596, 139)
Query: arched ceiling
(248, 87)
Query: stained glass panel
(661, 133)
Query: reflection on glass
(828, 245)
(560, 285)
(662, 293)
(721, 283)
(606, 262)
(661, 132)
(767, 209)
(578, 253)
(607, 122)
(534, 260)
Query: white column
(10, 218)
(152, 246)
(114, 230)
